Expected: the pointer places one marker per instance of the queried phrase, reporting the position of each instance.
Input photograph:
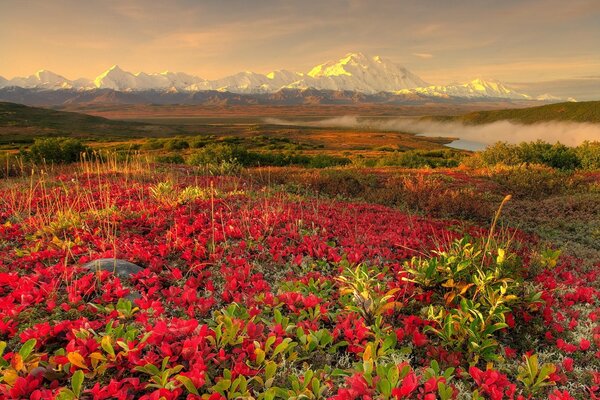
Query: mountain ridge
(353, 72)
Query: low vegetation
(288, 282)
(277, 267)
(559, 156)
(586, 111)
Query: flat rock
(121, 268)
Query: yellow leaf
(97, 356)
(368, 354)
(390, 305)
(17, 362)
(449, 297)
(77, 360)
(449, 283)
(10, 376)
(464, 288)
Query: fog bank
(568, 133)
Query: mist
(472, 137)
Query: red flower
(584, 344)
(568, 364)
(409, 385)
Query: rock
(121, 268)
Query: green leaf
(393, 375)
(27, 348)
(222, 385)
(282, 346)
(269, 342)
(165, 362)
(385, 387)
(270, 369)
(107, 346)
(77, 382)
(66, 394)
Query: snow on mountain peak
(353, 72)
(477, 88)
(356, 71)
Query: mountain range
(355, 72)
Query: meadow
(287, 282)
(289, 264)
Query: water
(461, 144)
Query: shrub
(199, 142)
(56, 150)
(420, 159)
(475, 284)
(556, 156)
(214, 154)
(325, 161)
(531, 181)
(176, 144)
(589, 155)
(152, 144)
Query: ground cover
(256, 290)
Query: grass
(20, 125)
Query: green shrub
(56, 150)
(217, 153)
(421, 159)
(475, 284)
(589, 155)
(176, 144)
(326, 161)
(152, 144)
(531, 181)
(199, 142)
(555, 155)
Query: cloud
(568, 133)
(423, 55)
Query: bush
(176, 144)
(556, 156)
(199, 142)
(589, 155)
(216, 153)
(421, 159)
(326, 161)
(152, 144)
(532, 181)
(56, 150)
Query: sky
(537, 45)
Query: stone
(121, 268)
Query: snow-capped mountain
(476, 88)
(358, 72)
(251, 82)
(354, 72)
(42, 79)
(117, 79)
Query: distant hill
(20, 124)
(588, 111)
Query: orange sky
(441, 41)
